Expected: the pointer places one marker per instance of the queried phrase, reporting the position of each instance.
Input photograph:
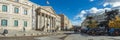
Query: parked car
(114, 32)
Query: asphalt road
(79, 36)
(87, 37)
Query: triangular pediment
(49, 8)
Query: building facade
(65, 22)
(58, 23)
(24, 14)
(101, 17)
(15, 14)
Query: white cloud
(78, 19)
(91, 0)
(80, 15)
(83, 12)
(116, 4)
(113, 3)
(105, 4)
(93, 10)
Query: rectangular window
(25, 12)
(25, 23)
(3, 22)
(16, 10)
(15, 22)
(4, 8)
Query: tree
(110, 15)
(91, 23)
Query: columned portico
(45, 19)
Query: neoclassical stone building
(19, 14)
(47, 19)
(15, 14)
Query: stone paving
(26, 33)
(17, 38)
(44, 36)
(48, 37)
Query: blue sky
(76, 10)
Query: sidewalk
(13, 33)
(53, 36)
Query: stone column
(42, 22)
(54, 23)
(45, 22)
(38, 21)
(50, 23)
